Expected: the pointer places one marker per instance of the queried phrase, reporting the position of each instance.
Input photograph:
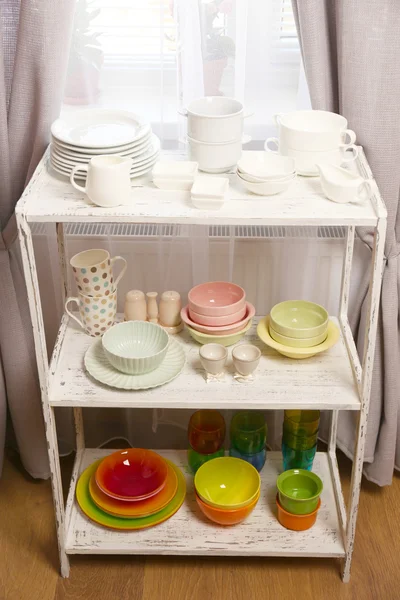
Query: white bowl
(213, 358)
(265, 165)
(246, 358)
(252, 179)
(215, 157)
(135, 347)
(267, 188)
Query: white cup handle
(183, 112)
(366, 186)
(113, 260)
(352, 137)
(354, 153)
(76, 300)
(246, 139)
(78, 187)
(277, 118)
(271, 140)
(248, 114)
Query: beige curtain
(34, 44)
(351, 53)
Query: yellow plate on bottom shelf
(297, 353)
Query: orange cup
(223, 516)
(296, 522)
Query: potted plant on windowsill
(86, 57)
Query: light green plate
(90, 509)
(97, 365)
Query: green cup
(297, 442)
(195, 459)
(248, 431)
(299, 491)
(301, 422)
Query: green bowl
(224, 340)
(299, 491)
(299, 319)
(293, 342)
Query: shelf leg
(377, 266)
(35, 308)
(62, 260)
(79, 430)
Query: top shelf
(50, 198)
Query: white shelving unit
(335, 380)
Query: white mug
(108, 181)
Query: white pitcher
(108, 181)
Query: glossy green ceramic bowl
(299, 491)
(225, 340)
(227, 483)
(298, 342)
(299, 319)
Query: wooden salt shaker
(170, 309)
(135, 306)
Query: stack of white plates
(77, 137)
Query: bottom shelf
(188, 532)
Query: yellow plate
(297, 353)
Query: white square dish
(172, 169)
(210, 187)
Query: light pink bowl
(227, 329)
(217, 321)
(216, 298)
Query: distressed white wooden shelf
(325, 381)
(188, 532)
(52, 199)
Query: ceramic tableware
(214, 119)
(248, 431)
(135, 306)
(93, 272)
(257, 459)
(213, 357)
(196, 459)
(209, 192)
(174, 175)
(246, 358)
(297, 342)
(296, 522)
(206, 431)
(225, 340)
(265, 165)
(152, 307)
(227, 483)
(216, 157)
(132, 474)
(263, 332)
(99, 367)
(135, 347)
(216, 298)
(269, 187)
(135, 509)
(299, 319)
(224, 320)
(299, 491)
(313, 130)
(97, 515)
(169, 310)
(224, 516)
(108, 180)
(97, 314)
(298, 459)
(224, 329)
(342, 186)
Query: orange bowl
(296, 522)
(226, 517)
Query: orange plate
(142, 508)
(223, 516)
(132, 474)
(296, 522)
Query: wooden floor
(29, 560)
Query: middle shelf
(323, 382)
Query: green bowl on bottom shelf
(299, 491)
(225, 340)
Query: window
(153, 56)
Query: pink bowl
(225, 330)
(216, 298)
(217, 321)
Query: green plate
(94, 513)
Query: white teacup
(108, 181)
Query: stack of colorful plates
(77, 137)
(131, 489)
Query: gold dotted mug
(97, 313)
(93, 272)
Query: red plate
(132, 474)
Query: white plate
(134, 168)
(99, 128)
(85, 155)
(100, 369)
(62, 170)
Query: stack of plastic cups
(299, 439)
(206, 434)
(248, 435)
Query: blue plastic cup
(298, 459)
(257, 459)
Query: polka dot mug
(97, 313)
(93, 272)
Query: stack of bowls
(206, 435)
(266, 174)
(298, 499)
(227, 490)
(215, 132)
(131, 489)
(299, 438)
(248, 437)
(217, 312)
